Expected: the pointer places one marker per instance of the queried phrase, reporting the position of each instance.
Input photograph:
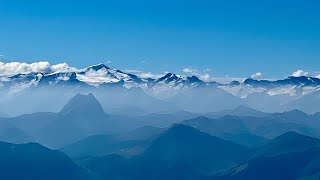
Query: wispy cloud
(299, 73)
(203, 75)
(207, 77)
(257, 75)
(132, 71)
(62, 67)
(207, 70)
(150, 75)
(190, 70)
(143, 74)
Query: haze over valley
(159, 90)
(117, 132)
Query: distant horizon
(43, 66)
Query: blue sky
(227, 37)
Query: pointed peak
(83, 96)
(98, 67)
(82, 104)
(194, 79)
(290, 142)
(168, 75)
(295, 112)
(291, 133)
(295, 138)
(181, 130)
(249, 80)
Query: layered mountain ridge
(101, 75)
(169, 92)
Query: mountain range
(285, 94)
(101, 75)
(182, 152)
(179, 152)
(91, 143)
(83, 115)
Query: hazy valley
(85, 141)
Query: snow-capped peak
(171, 80)
(97, 67)
(100, 75)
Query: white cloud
(207, 70)
(204, 76)
(299, 73)
(99, 73)
(190, 70)
(62, 67)
(142, 74)
(257, 75)
(13, 68)
(318, 76)
(133, 71)
(150, 75)
(108, 62)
